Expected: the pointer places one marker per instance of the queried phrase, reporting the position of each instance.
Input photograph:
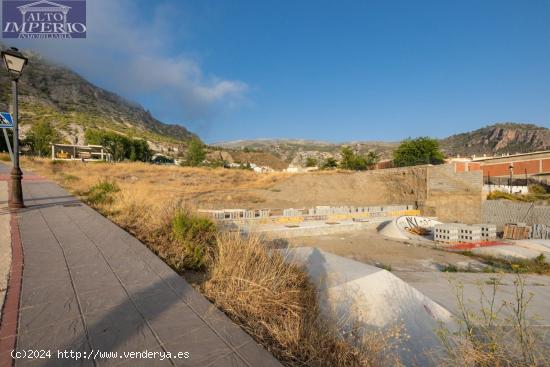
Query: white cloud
(129, 55)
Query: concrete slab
(308, 228)
(509, 252)
(442, 289)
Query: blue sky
(328, 70)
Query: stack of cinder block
(464, 233)
(516, 231)
(446, 233)
(488, 231)
(468, 233)
(291, 212)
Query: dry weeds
(500, 335)
(164, 183)
(270, 299)
(276, 303)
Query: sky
(324, 70)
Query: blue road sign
(6, 121)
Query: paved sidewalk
(88, 286)
(5, 241)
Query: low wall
(500, 212)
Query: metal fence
(506, 181)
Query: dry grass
(4, 157)
(270, 299)
(498, 336)
(276, 303)
(164, 183)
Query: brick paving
(89, 286)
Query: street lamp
(511, 168)
(15, 62)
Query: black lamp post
(15, 62)
(511, 168)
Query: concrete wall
(453, 197)
(500, 212)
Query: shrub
(357, 162)
(197, 236)
(496, 195)
(329, 163)
(101, 193)
(537, 189)
(311, 162)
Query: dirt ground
(367, 246)
(216, 188)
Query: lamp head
(14, 61)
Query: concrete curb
(10, 311)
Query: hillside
(54, 93)
(296, 150)
(497, 139)
(494, 139)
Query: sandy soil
(369, 247)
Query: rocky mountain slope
(54, 93)
(497, 139)
(494, 139)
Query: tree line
(410, 152)
(42, 134)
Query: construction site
(383, 248)
(399, 238)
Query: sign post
(6, 122)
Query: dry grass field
(196, 186)
(270, 299)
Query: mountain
(494, 139)
(54, 93)
(295, 151)
(497, 139)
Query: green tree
(329, 163)
(311, 162)
(413, 152)
(40, 136)
(195, 152)
(119, 146)
(357, 162)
